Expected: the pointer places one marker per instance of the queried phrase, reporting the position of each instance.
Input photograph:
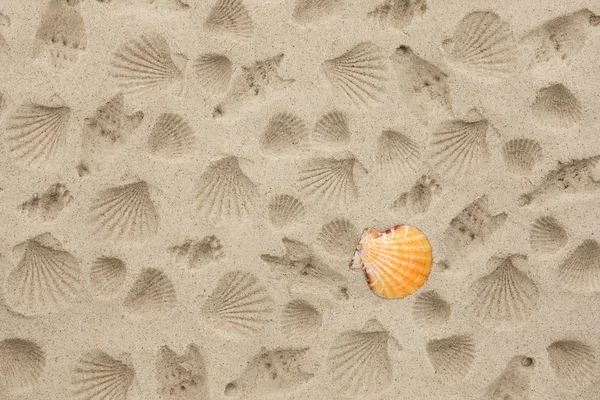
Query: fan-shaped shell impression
(521, 155)
(300, 319)
(452, 357)
(125, 212)
(36, 133)
(575, 364)
(230, 17)
(224, 190)
(505, 294)
(145, 63)
(338, 237)
(98, 376)
(398, 14)
(285, 134)
(359, 74)
(431, 310)
(285, 210)
(151, 293)
(547, 235)
(22, 362)
(397, 154)
(214, 72)
(396, 262)
(310, 11)
(46, 278)
(239, 304)
(107, 275)
(555, 106)
(332, 130)
(483, 44)
(171, 137)
(580, 271)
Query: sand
(182, 196)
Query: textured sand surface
(183, 187)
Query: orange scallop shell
(397, 262)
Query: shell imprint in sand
(397, 262)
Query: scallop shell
(125, 212)
(182, 377)
(171, 137)
(309, 11)
(521, 155)
(224, 190)
(36, 133)
(107, 276)
(145, 63)
(547, 235)
(556, 107)
(398, 14)
(397, 154)
(580, 271)
(300, 320)
(214, 72)
(430, 310)
(360, 74)
(239, 303)
(396, 262)
(452, 357)
(98, 376)
(332, 130)
(46, 278)
(505, 294)
(22, 362)
(483, 44)
(285, 134)
(151, 293)
(575, 364)
(285, 210)
(338, 237)
(230, 17)
(514, 381)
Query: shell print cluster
(183, 199)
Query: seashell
(430, 310)
(580, 271)
(171, 137)
(482, 45)
(397, 154)
(398, 14)
(300, 319)
(214, 72)
(332, 130)
(423, 87)
(521, 155)
(396, 262)
(125, 212)
(359, 362)
(556, 107)
(46, 278)
(230, 17)
(269, 372)
(459, 147)
(547, 235)
(151, 293)
(311, 11)
(98, 376)
(418, 199)
(36, 133)
(338, 237)
(359, 74)
(330, 180)
(61, 35)
(284, 134)
(200, 253)
(22, 362)
(574, 363)
(224, 190)
(514, 381)
(507, 293)
(559, 40)
(239, 303)
(145, 63)
(182, 377)
(47, 206)
(285, 210)
(571, 177)
(107, 275)
(452, 357)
